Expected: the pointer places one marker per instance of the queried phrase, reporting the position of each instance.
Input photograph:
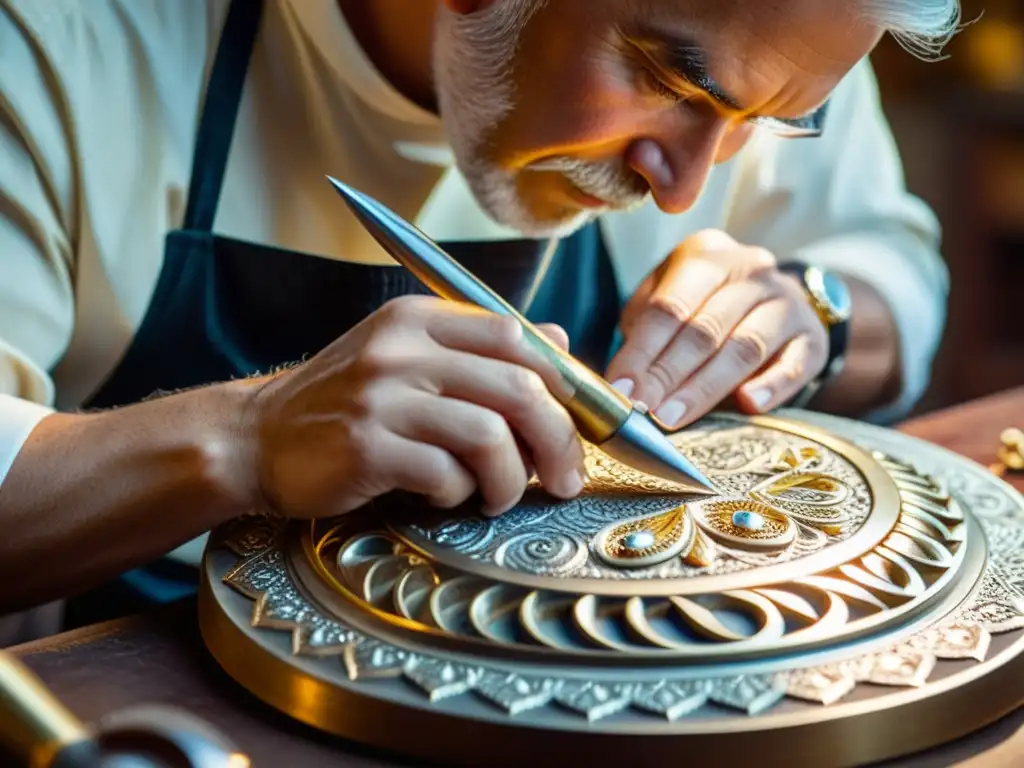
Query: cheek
(733, 142)
(574, 105)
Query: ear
(463, 7)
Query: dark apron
(224, 309)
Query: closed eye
(658, 86)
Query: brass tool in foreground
(38, 731)
(603, 415)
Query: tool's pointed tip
(339, 186)
(705, 490)
(358, 203)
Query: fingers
(480, 440)
(518, 397)
(468, 329)
(521, 398)
(419, 467)
(476, 437)
(556, 333)
(800, 359)
(685, 286)
(700, 339)
(754, 341)
(672, 297)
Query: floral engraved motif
(808, 494)
(794, 502)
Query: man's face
(558, 111)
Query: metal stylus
(602, 414)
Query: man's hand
(716, 319)
(428, 396)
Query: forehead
(768, 50)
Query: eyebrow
(684, 59)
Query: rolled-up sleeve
(36, 253)
(840, 201)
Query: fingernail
(573, 482)
(760, 398)
(625, 386)
(671, 413)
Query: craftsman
(193, 326)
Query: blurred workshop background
(960, 127)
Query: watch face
(836, 293)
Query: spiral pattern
(549, 554)
(467, 535)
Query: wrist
(829, 295)
(224, 438)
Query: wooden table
(160, 658)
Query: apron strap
(220, 110)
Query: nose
(676, 163)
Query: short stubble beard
(474, 57)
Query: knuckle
(705, 333)
(504, 330)
(671, 305)
(529, 389)
(441, 478)
(749, 349)
(406, 309)
(362, 399)
(382, 355)
(709, 239)
(490, 432)
(793, 375)
(662, 374)
(445, 486)
(761, 257)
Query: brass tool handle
(34, 725)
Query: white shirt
(99, 106)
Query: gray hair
(922, 27)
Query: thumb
(709, 240)
(556, 333)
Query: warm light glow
(996, 53)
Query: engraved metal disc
(846, 577)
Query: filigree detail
(372, 658)
(773, 530)
(645, 541)
(515, 693)
(998, 604)
(541, 553)
(250, 534)
(960, 640)
(441, 679)
(594, 700)
(672, 699)
(806, 483)
(811, 604)
(906, 568)
(825, 685)
(904, 666)
(752, 694)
